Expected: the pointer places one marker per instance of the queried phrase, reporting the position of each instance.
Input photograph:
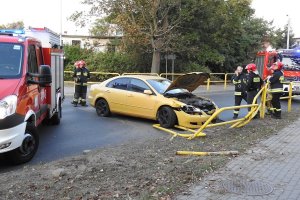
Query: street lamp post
(288, 33)
(60, 34)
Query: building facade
(98, 43)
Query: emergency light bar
(12, 32)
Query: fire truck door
(35, 93)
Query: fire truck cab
(31, 89)
(291, 70)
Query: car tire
(102, 108)
(166, 117)
(28, 148)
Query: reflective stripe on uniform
(84, 84)
(78, 73)
(277, 109)
(281, 79)
(83, 100)
(256, 79)
(274, 90)
(77, 83)
(236, 82)
(85, 74)
(235, 112)
(238, 93)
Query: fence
(236, 123)
(97, 77)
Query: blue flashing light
(12, 31)
(298, 50)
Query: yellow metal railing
(255, 107)
(290, 96)
(225, 81)
(150, 74)
(208, 82)
(94, 73)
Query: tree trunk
(155, 62)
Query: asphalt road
(81, 129)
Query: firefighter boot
(75, 102)
(276, 115)
(235, 116)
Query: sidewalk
(273, 165)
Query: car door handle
(107, 91)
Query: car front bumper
(191, 121)
(12, 138)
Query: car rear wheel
(166, 117)
(28, 148)
(102, 108)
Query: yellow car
(155, 98)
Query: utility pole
(288, 33)
(60, 34)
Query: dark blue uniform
(81, 76)
(276, 89)
(240, 82)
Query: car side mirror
(149, 92)
(44, 77)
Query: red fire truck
(31, 89)
(291, 70)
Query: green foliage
(99, 61)
(13, 25)
(214, 35)
(279, 38)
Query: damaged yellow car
(156, 98)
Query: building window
(76, 42)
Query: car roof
(143, 77)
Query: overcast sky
(46, 13)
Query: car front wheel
(166, 117)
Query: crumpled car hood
(189, 81)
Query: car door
(138, 103)
(115, 93)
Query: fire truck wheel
(55, 120)
(166, 117)
(28, 148)
(102, 108)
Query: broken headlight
(191, 109)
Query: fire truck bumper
(12, 138)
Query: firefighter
(239, 80)
(254, 83)
(276, 89)
(81, 75)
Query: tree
(13, 25)
(144, 23)
(279, 38)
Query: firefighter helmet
(81, 63)
(278, 64)
(251, 67)
(76, 64)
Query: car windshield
(10, 60)
(161, 85)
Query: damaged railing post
(290, 97)
(208, 84)
(225, 81)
